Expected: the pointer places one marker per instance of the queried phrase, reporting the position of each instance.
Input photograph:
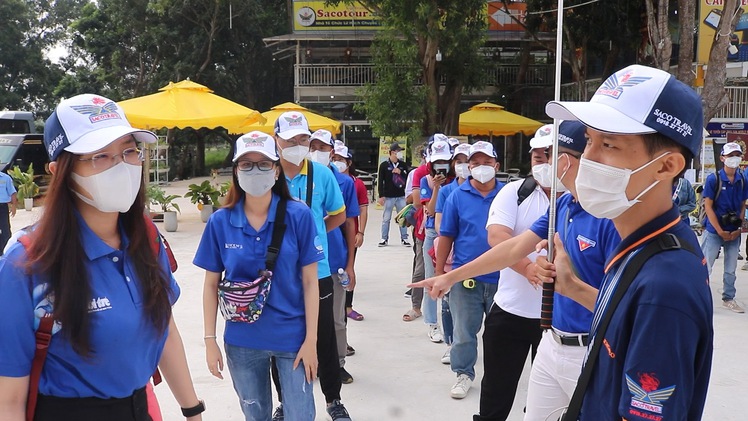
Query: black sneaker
(349, 351)
(382, 243)
(408, 293)
(278, 413)
(406, 243)
(337, 411)
(345, 376)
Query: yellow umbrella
(490, 119)
(187, 104)
(315, 121)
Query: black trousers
(133, 408)
(4, 226)
(507, 338)
(327, 347)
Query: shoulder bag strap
(309, 183)
(662, 242)
(43, 338)
(279, 229)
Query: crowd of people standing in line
(279, 263)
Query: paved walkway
(398, 375)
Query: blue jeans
(429, 304)
(250, 372)
(710, 246)
(398, 203)
(468, 305)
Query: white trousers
(553, 378)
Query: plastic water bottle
(343, 276)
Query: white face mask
(113, 190)
(733, 161)
(400, 155)
(601, 189)
(340, 165)
(321, 157)
(483, 173)
(295, 154)
(255, 182)
(542, 174)
(462, 170)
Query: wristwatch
(195, 410)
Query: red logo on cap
(100, 111)
(613, 87)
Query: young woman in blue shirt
(234, 246)
(90, 265)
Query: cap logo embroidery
(564, 138)
(99, 111)
(294, 120)
(646, 396)
(255, 140)
(585, 243)
(613, 87)
(440, 148)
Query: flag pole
(546, 308)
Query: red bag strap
(43, 338)
(155, 237)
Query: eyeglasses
(132, 156)
(249, 165)
(302, 140)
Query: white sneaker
(445, 357)
(435, 335)
(732, 305)
(461, 388)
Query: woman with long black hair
(90, 265)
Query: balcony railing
(309, 75)
(343, 75)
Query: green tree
(455, 30)
(30, 28)
(129, 49)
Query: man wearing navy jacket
(643, 127)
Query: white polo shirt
(514, 293)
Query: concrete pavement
(397, 372)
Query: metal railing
(308, 75)
(737, 106)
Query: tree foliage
(29, 28)
(415, 31)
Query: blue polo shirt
(464, 219)
(230, 245)
(6, 188)
(657, 357)
(444, 194)
(588, 241)
(126, 347)
(338, 255)
(730, 199)
(326, 200)
(426, 193)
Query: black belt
(571, 340)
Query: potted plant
(223, 190)
(205, 196)
(26, 187)
(157, 196)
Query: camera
(731, 218)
